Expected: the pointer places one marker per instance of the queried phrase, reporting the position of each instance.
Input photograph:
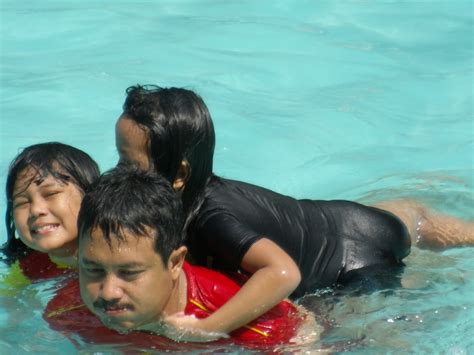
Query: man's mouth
(45, 228)
(111, 310)
(115, 310)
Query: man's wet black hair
(179, 127)
(61, 161)
(126, 199)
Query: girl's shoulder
(222, 189)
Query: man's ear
(176, 260)
(181, 176)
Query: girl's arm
(274, 277)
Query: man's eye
(130, 273)
(93, 271)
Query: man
(133, 273)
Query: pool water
(362, 100)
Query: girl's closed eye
(20, 202)
(51, 193)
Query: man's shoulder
(209, 279)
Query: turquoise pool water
(362, 100)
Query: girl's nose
(38, 207)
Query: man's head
(130, 248)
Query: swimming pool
(362, 100)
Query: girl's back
(234, 215)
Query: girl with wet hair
(289, 247)
(44, 189)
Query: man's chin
(122, 328)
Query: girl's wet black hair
(179, 127)
(126, 199)
(64, 162)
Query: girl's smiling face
(45, 211)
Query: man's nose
(111, 289)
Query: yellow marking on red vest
(258, 331)
(63, 310)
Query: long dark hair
(179, 127)
(64, 162)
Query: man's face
(126, 284)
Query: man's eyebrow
(130, 265)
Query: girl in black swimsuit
(290, 247)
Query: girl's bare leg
(429, 229)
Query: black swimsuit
(326, 239)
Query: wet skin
(45, 212)
(131, 141)
(126, 284)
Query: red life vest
(207, 290)
(38, 266)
